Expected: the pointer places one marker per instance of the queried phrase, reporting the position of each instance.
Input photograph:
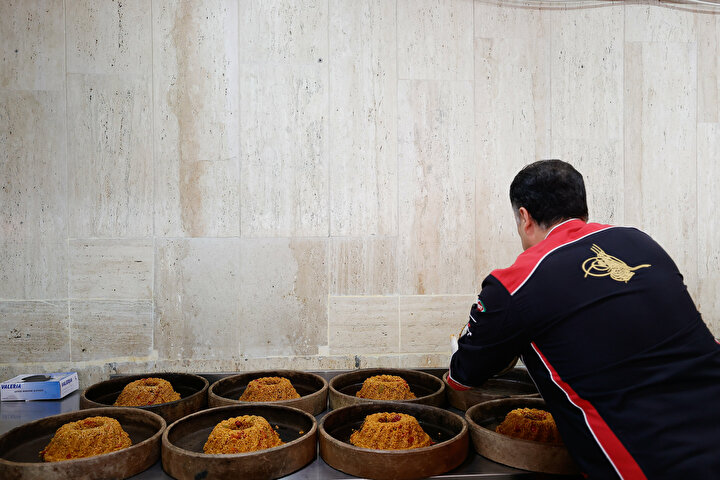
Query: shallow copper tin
(483, 418)
(429, 389)
(312, 388)
(20, 447)
(514, 384)
(192, 389)
(448, 430)
(183, 441)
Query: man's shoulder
(567, 234)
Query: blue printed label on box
(50, 386)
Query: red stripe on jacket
(623, 462)
(565, 233)
(454, 384)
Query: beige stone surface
(665, 175)
(285, 362)
(283, 31)
(511, 21)
(284, 163)
(437, 186)
(196, 101)
(34, 180)
(110, 328)
(428, 321)
(363, 106)
(601, 163)
(109, 156)
(653, 22)
(33, 268)
(36, 331)
(425, 360)
(197, 300)
(708, 228)
(197, 198)
(435, 39)
(512, 95)
(109, 36)
(587, 56)
(363, 266)
(632, 127)
(317, 184)
(707, 302)
(33, 189)
(283, 296)
(363, 325)
(32, 50)
(111, 269)
(708, 64)
(587, 102)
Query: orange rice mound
(390, 431)
(86, 438)
(247, 433)
(146, 391)
(269, 389)
(530, 424)
(385, 387)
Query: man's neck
(549, 230)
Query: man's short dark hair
(551, 191)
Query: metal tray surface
(514, 384)
(448, 430)
(429, 389)
(182, 444)
(20, 447)
(542, 457)
(312, 388)
(192, 389)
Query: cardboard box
(49, 386)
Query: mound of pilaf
(530, 424)
(86, 438)
(146, 391)
(385, 387)
(269, 389)
(390, 431)
(247, 433)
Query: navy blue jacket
(604, 323)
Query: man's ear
(526, 221)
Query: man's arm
(492, 339)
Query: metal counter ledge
(14, 414)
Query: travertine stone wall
(224, 185)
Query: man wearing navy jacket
(606, 328)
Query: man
(607, 330)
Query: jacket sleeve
(491, 340)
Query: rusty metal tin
(182, 445)
(192, 389)
(514, 384)
(448, 430)
(483, 418)
(20, 447)
(313, 390)
(429, 389)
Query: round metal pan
(514, 384)
(483, 418)
(429, 389)
(20, 447)
(448, 430)
(182, 445)
(313, 390)
(192, 389)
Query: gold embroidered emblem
(602, 265)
